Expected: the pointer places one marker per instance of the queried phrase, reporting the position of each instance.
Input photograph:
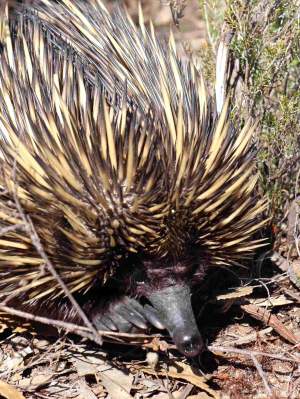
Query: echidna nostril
(191, 345)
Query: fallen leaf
(20, 330)
(9, 392)
(271, 302)
(3, 327)
(35, 381)
(12, 363)
(87, 363)
(186, 373)
(237, 293)
(84, 391)
(84, 368)
(114, 387)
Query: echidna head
(174, 307)
(166, 283)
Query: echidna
(134, 185)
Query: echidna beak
(175, 310)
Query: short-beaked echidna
(134, 185)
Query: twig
(262, 375)
(247, 353)
(8, 229)
(38, 246)
(249, 337)
(222, 61)
(272, 321)
(211, 41)
(177, 9)
(71, 327)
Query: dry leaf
(185, 373)
(3, 327)
(87, 363)
(9, 392)
(11, 363)
(84, 368)
(84, 391)
(237, 293)
(271, 302)
(36, 381)
(114, 387)
(117, 383)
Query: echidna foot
(126, 316)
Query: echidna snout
(175, 310)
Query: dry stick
(38, 246)
(262, 375)
(272, 321)
(208, 27)
(222, 65)
(71, 327)
(8, 229)
(249, 353)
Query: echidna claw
(129, 312)
(99, 322)
(126, 316)
(121, 323)
(153, 317)
(108, 323)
